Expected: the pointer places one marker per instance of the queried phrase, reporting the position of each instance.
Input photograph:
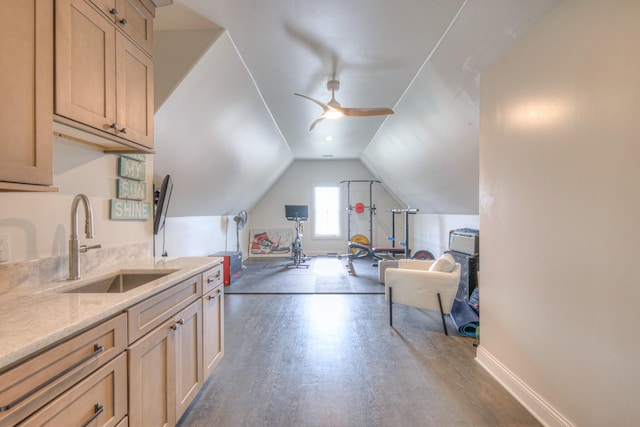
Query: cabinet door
(26, 112)
(108, 8)
(135, 93)
(189, 373)
(152, 378)
(85, 65)
(98, 400)
(137, 22)
(213, 329)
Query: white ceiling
(238, 63)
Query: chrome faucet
(74, 248)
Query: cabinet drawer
(30, 385)
(212, 278)
(98, 400)
(144, 317)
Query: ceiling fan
(333, 109)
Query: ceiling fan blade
(324, 106)
(363, 112)
(318, 120)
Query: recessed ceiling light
(329, 138)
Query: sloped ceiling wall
(213, 133)
(427, 153)
(218, 139)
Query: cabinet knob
(123, 21)
(114, 11)
(117, 129)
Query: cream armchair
(418, 283)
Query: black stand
(297, 254)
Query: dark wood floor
(333, 360)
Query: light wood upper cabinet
(26, 106)
(103, 81)
(133, 17)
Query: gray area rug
(324, 275)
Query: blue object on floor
(464, 318)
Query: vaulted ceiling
(228, 123)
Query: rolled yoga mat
(464, 318)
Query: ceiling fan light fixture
(333, 114)
(333, 109)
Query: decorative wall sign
(139, 157)
(131, 190)
(129, 209)
(129, 168)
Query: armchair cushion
(444, 264)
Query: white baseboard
(535, 404)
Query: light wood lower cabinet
(152, 377)
(175, 340)
(165, 369)
(99, 400)
(32, 384)
(212, 330)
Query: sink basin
(123, 281)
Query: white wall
(431, 232)
(198, 236)
(559, 206)
(39, 223)
(295, 187)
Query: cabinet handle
(124, 22)
(97, 349)
(114, 126)
(98, 408)
(178, 323)
(215, 277)
(114, 11)
(210, 297)
(124, 130)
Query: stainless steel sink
(123, 281)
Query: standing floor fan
(241, 221)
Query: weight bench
(378, 253)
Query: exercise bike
(299, 214)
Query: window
(326, 216)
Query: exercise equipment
(299, 214)
(361, 207)
(405, 243)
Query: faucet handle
(85, 248)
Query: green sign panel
(133, 169)
(129, 209)
(138, 157)
(131, 190)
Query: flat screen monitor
(163, 204)
(296, 212)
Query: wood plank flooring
(333, 360)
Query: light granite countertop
(34, 316)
